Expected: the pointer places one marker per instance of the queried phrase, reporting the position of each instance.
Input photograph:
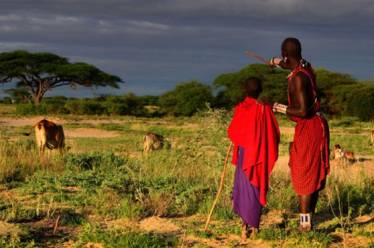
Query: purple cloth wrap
(246, 201)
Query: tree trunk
(37, 97)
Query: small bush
(31, 109)
(85, 107)
(93, 160)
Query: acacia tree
(40, 72)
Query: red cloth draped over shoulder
(255, 128)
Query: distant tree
(230, 91)
(333, 89)
(40, 72)
(128, 104)
(335, 101)
(19, 95)
(361, 103)
(149, 100)
(328, 79)
(186, 99)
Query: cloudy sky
(154, 44)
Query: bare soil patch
(122, 223)
(158, 225)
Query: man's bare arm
(299, 107)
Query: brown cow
(152, 142)
(372, 137)
(50, 135)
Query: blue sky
(155, 44)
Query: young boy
(254, 132)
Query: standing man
(309, 153)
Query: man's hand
(275, 62)
(280, 108)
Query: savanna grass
(99, 179)
(122, 238)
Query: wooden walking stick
(270, 63)
(219, 188)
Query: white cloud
(131, 27)
(146, 25)
(6, 46)
(11, 17)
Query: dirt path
(190, 232)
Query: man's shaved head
(291, 48)
(252, 87)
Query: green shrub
(85, 107)
(56, 105)
(31, 109)
(93, 160)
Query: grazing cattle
(49, 135)
(340, 154)
(152, 142)
(372, 137)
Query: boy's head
(252, 87)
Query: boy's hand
(281, 108)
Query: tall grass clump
(96, 237)
(348, 199)
(17, 160)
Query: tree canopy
(340, 93)
(186, 98)
(230, 93)
(36, 73)
(40, 72)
